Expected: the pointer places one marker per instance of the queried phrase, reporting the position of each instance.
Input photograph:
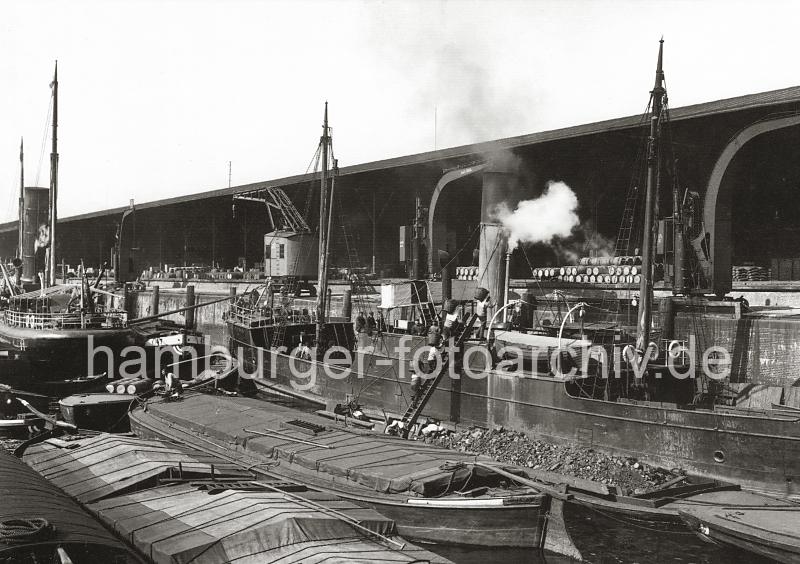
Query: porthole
(719, 456)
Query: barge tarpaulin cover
(28, 497)
(182, 523)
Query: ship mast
(646, 285)
(53, 182)
(21, 222)
(322, 274)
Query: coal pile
(628, 474)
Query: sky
(157, 97)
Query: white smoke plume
(585, 241)
(541, 220)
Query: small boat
(176, 504)
(99, 412)
(108, 412)
(434, 495)
(771, 530)
(39, 523)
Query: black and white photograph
(399, 281)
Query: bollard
(347, 305)
(190, 303)
(154, 301)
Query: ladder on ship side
(429, 385)
(427, 311)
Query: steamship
(58, 339)
(697, 422)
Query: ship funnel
(35, 236)
(501, 188)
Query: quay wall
(764, 350)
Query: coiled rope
(18, 531)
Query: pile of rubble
(628, 474)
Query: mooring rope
(24, 530)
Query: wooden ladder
(429, 385)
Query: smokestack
(35, 216)
(501, 186)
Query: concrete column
(190, 303)
(154, 301)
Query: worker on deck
(451, 323)
(303, 350)
(371, 323)
(361, 323)
(172, 385)
(481, 310)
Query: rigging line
(458, 253)
(44, 139)
(463, 290)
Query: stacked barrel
(466, 273)
(132, 386)
(595, 270)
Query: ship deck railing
(264, 317)
(65, 320)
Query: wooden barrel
(595, 271)
(637, 260)
(626, 270)
(584, 261)
(616, 260)
(637, 279)
(139, 387)
(592, 279)
(607, 279)
(614, 279)
(634, 270)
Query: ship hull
(60, 362)
(755, 450)
(455, 521)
